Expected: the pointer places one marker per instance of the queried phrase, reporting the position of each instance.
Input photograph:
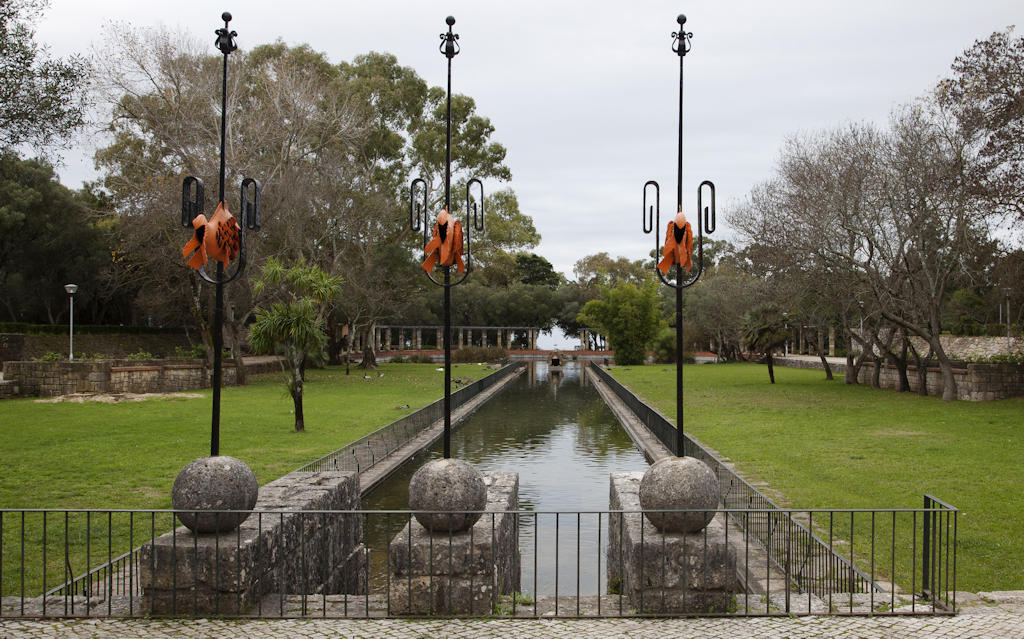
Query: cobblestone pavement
(999, 624)
(995, 615)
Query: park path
(996, 615)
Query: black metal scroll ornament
(419, 217)
(192, 203)
(705, 222)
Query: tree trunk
(235, 340)
(296, 391)
(771, 371)
(949, 393)
(876, 375)
(369, 359)
(901, 366)
(851, 376)
(922, 373)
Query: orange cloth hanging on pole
(445, 246)
(678, 247)
(195, 244)
(219, 238)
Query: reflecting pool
(558, 434)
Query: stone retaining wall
(274, 552)
(50, 379)
(975, 381)
(978, 382)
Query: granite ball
(214, 483)
(446, 486)
(679, 483)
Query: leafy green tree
(628, 315)
(764, 331)
(533, 269)
(293, 324)
(42, 100)
(47, 239)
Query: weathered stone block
(459, 572)
(293, 552)
(669, 573)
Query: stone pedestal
(459, 573)
(666, 573)
(294, 553)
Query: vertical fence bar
(23, 563)
(110, 568)
(925, 546)
(88, 562)
(579, 528)
(557, 516)
(536, 542)
(44, 563)
(913, 564)
(599, 564)
(132, 563)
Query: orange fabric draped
(195, 244)
(447, 251)
(219, 238)
(677, 252)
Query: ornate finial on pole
(681, 38)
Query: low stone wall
(50, 379)
(273, 552)
(975, 381)
(461, 573)
(978, 382)
(667, 573)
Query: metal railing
(357, 456)
(366, 451)
(536, 564)
(797, 547)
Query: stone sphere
(447, 485)
(679, 483)
(214, 483)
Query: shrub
(139, 354)
(50, 356)
(196, 351)
(478, 354)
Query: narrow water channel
(558, 434)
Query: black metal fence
(805, 549)
(366, 451)
(568, 564)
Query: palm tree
(764, 330)
(293, 325)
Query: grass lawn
(93, 455)
(828, 445)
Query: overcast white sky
(584, 94)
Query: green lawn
(92, 455)
(824, 444)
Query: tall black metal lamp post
(192, 196)
(217, 482)
(447, 494)
(419, 218)
(684, 485)
(705, 221)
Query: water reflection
(563, 441)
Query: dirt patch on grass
(117, 398)
(898, 433)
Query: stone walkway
(996, 615)
(982, 621)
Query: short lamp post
(1007, 290)
(71, 289)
